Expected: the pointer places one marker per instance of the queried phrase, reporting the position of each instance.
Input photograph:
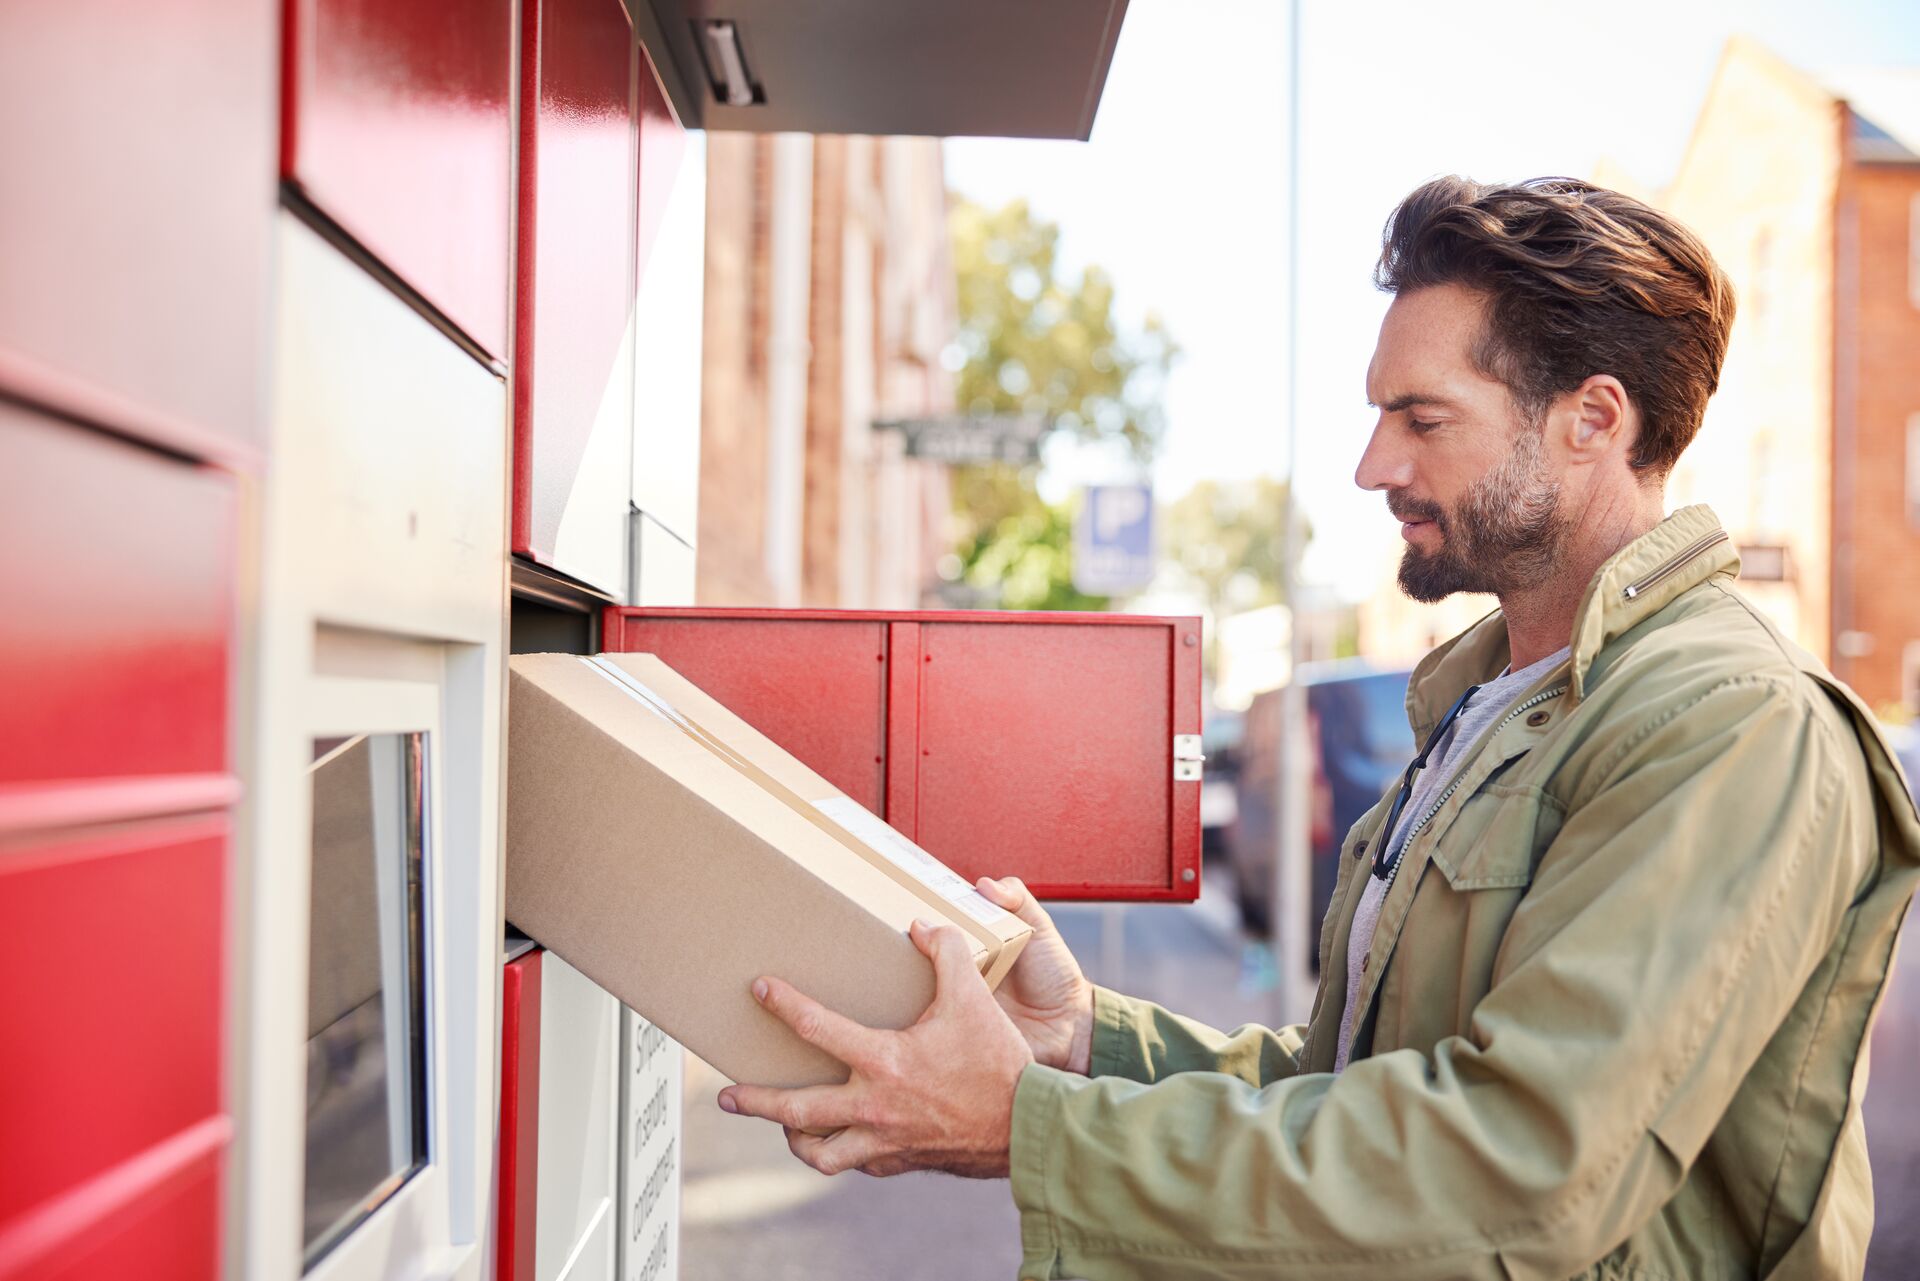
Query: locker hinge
(1186, 758)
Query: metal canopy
(945, 68)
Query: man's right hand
(1045, 994)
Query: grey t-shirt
(1488, 704)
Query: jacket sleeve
(1140, 1041)
(1691, 892)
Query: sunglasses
(1383, 859)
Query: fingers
(821, 1108)
(951, 954)
(814, 1023)
(846, 1150)
(1011, 893)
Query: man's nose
(1382, 464)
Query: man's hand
(936, 1096)
(1045, 994)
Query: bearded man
(1598, 975)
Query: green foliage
(1033, 341)
(1229, 540)
(1026, 561)
(1036, 342)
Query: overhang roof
(1886, 110)
(945, 68)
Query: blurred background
(984, 373)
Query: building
(829, 298)
(1397, 631)
(1807, 189)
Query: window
(1913, 250)
(366, 1103)
(1913, 470)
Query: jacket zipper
(1413, 832)
(1686, 554)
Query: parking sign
(1113, 540)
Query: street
(751, 1210)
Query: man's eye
(1422, 426)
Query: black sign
(968, 438)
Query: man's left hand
(935, 1096)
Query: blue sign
(1113, 540)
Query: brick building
(1807, 189)
(829, 297)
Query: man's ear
(1600, 419)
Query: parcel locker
(113, 1111)
(138, 196)
(573, 376)
(519, 1161)
(117, 634)
(1060, 748)
(398, 125)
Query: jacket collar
(1680, 553)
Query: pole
(1289, 908)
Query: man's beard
(1503, 535)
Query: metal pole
(1289, 908)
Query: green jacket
(1615, 1013)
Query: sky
(1181, 192)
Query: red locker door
(519, 1113)
(397, 122)
(138, 199)
(161, 1224)
(115, 652)
(1049, 746)
(576, 238)
(116, 635)
(112, 1041)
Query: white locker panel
(666, 371)
(575, 1221)
(662, 564)
(381, 611)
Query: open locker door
(1062, 748)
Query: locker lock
(1187, 758)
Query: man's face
(1465, 471)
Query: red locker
(112, 1041)
(138, 197)
(1061, 748)
(116, 639)
(576, 236)
(397, 122)
(519, 1114)
(158, 1222)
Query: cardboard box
(672, 853)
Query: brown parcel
(672, 853)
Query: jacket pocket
(1496, 839)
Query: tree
(1229, 539)
(1032, 341)
(1026, 561)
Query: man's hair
(1579, 281)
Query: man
(1597, 978)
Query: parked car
(1906, 747)
(1360, 742)
(1220, 737)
